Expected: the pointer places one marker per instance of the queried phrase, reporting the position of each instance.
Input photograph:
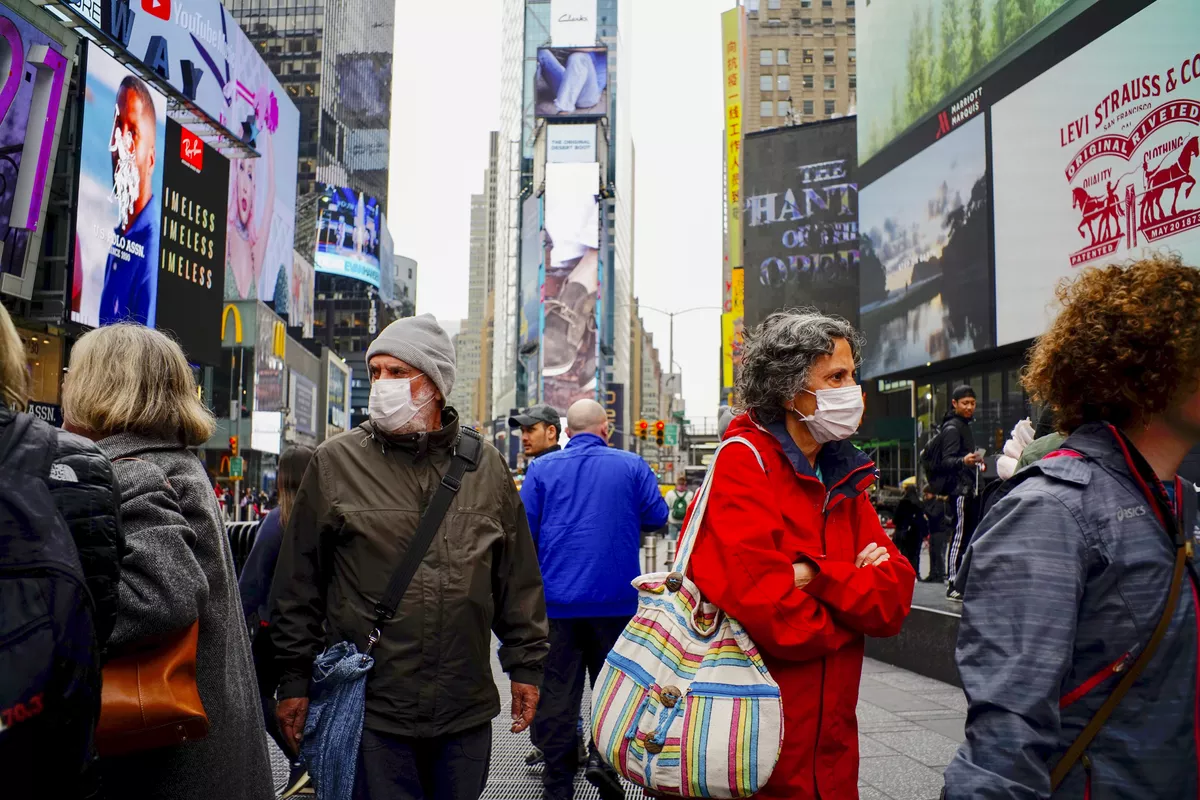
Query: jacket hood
(418, 444)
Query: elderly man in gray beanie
(430, 696)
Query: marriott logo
(959, 112)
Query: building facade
(801, 63)
(335, 60)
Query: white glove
(1006, 466)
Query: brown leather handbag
(150, 699)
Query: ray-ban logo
(191, 150)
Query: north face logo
(1131, 512)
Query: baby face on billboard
(132, 145)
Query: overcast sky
(447, 98)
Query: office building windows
(765, 83)
(766, 109)
(808, 81)
(782, 60)
(830, 83)
(808, 108)
(785, 108)
(830, 57)
(829, 107)
(784, 83)
(766, 58)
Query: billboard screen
(337, 398)
(387, 262)
(918, 56)
(119, 219)
(924, 273)
(270, 350)
(348, 234)
(531, 272)
(32, 103)
(1096, 160)
(573, 23)
(191, 261)
(303, 402)
(364, 83)
(572, 283)
(300, 297)
(571, 82)
(801, 220)
(262, 191)
(568, 144)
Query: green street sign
(235, 467)
(671, 435)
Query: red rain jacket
(756, 526)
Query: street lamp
(672, 315)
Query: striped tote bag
(684, 704)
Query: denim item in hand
(335, 719)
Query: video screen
(348, 234)
(925, 292)
(571, 82)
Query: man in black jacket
(540, 429)
(955, 476)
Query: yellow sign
(733, 331)
(279, 340)
(237, 323)
(731, 25)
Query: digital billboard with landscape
(915, 57)
(925, 292)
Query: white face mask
(838, 415)
(391, 405)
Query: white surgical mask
(838, 415)
(391, 405)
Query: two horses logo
(1134, 205)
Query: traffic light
(660, 429)
(642, 428)
(233, 445)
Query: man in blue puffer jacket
(588, 506)
(1070, 572)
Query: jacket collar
(1108, 446)
(419, 444)
(128, 445)
(581, 440)
(547, 451)
(835, 461)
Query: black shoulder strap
(467, 452)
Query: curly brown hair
(1125, 347)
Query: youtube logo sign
(158, 8)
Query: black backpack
(49, 668)
(931, 454)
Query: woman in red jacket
(794, 550)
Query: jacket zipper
(817, 738)
(825, 552)
(1085, 688)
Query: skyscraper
(526, 27)
(473, 341)
(801, 63)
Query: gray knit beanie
(421, 342)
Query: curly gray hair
(779, 354)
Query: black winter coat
(85, 493)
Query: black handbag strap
(467, 451)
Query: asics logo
(1131, 512)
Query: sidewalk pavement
(909, 729)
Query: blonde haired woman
(57, 508)
(131, 390)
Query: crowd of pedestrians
(398, 556)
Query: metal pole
(671, 364)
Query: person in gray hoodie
(130, 390)
(1071, 571)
